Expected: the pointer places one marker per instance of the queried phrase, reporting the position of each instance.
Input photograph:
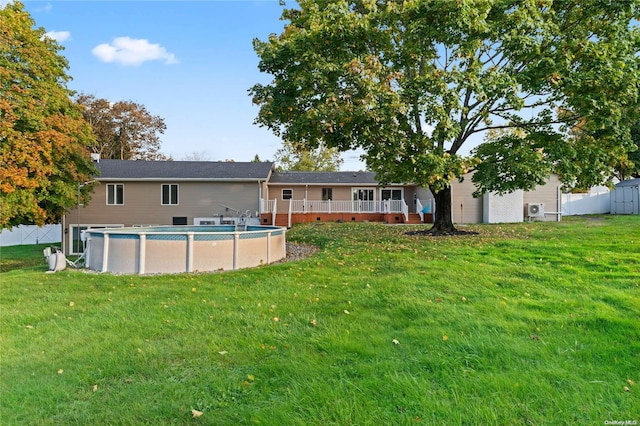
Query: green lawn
(535, 323)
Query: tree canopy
(413, 82)
(301, 159)
(124, 130)
(43, 137)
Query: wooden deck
(282, 218)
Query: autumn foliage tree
(413, 82)
(123, 130)
(43, 137)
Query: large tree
(43, 138)
(292, 157)
(124, 130)
(629, 164)
(413, 82)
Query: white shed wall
(505, 208)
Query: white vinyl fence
(31, 234)
(596, 201)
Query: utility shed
(625, 197)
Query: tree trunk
(443, 223)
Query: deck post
(142, 253)
(105, 252)
(189, 251)
(236, 240)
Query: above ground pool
(174, 249)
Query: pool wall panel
(213, 255)
(123, 254)
(165, 256)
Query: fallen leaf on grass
(314, 323)
(631, 382)
(223, 352)
(72, 304)
(445, 337)
(196, 413)
(60, 371)
(95, 388)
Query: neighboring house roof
(182, 170)
(323, 178)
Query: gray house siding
(547, 194)
(143, 202)
(467, 209)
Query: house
(138, 193)
(543, 203)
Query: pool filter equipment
(56, 259)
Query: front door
(363, 200)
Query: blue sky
(189, 62)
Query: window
(169, 194)
(327, 194)
(115, 194)
(287, 194)
(392, 194)
(76, 245)
(179, 220)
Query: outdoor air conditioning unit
(535, 209)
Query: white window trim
(107, 194)
(178, 194)
(88, 226)
(287, 189)
(390, 188)
(322, 190)
(363, 188)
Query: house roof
(182, 170)
(324, 178)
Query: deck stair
(414, 219)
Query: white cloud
(59, 36)
(129, 51)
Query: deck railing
(405, 210)
(343, 206)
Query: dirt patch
(430, 233)
(298, 251)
